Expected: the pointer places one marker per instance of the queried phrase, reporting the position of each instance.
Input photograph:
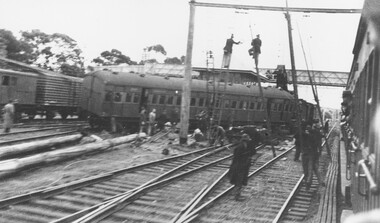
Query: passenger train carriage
(361, 112)
(109, 94)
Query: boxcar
(44, 93)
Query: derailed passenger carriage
(109, 94)
(360, 119)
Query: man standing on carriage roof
(256, 46)
(228, 51)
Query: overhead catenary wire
(312, 85)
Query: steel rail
(41, 130)
(289, 199)
(193, 214)
(102, 210)
(87, 181)
(14, 141)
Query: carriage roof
(151, 81)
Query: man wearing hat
(241, 162)
(228, 51)
(256, 45)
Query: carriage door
(144, 99)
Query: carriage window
(128, 97)
(192, 102)
(233, 104)
(280, 107)
(286, 107)
(109, 96)
(252, 105)
(241, 105)
(201, 102)
(154, 99)
(227, 104)
(117, 97)
(136, 98)
(179, 100)
(5, 80)
(162, 99)
(13, 81)
(274, 107)
(170, 100)
(259, 106)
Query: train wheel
(64, 115)
(49, 115)
(31, 115)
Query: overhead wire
(306, 63)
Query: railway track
(34, 138)
(53, 203)
(146, 193)
(42, 129)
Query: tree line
(60, 53)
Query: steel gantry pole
(186, 87)
(294, 76)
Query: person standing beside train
(152, 122)
(241, 162)
(8, 116)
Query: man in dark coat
(256, 45)
(228, 51)
(313, 155)
(310, 155)
(241, 162)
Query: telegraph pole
(186, 87)
(294, 77)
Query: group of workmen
(152, 122)
(309, 144)
(254, 51)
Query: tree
(15, 49)
(113, 57)
(173, 60)
(55, 52)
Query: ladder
(216, 88)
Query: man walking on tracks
(241, 162)
(228, 51)
(8, 116)
(310, 156)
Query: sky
(132, 25)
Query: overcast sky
(131, 25)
